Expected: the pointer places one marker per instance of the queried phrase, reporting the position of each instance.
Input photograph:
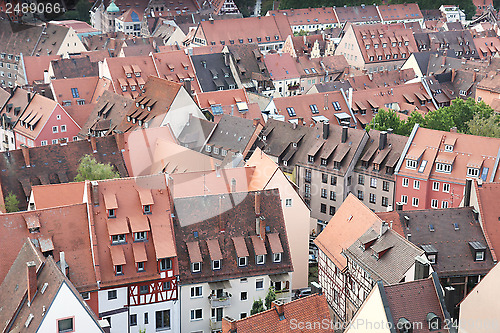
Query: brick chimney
(32, 281)
(228, 324)
(26, 155)
(453, 74)
(279, 306)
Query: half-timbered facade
(135, 256)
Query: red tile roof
(281, 66)
(307, 16)
(55, 195)
(312, 309)
(176, 66)
(400, 12)
(490, 215)
(35, 66)
(349, 223)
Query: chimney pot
(26, 155)
(383, 140)
(279, 306)
(468, 186)
(326, 130)
(32, 281)
(344, 133)
(95, 193)
(383, 228)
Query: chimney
(32, 281)
(383, 140)
(389, 131)
(383, 228)
(257, 203)
(256, 122)
(228, 324)
(453, 74)
(399, 206)
(46, 79)
(95, 193)
(217, 170)
(453, 130)
(279, 306)
(26, 154)
(468, 186)
(29, 97)
(326, 130)
(62, 262)
(187, 86)
(226, 59)
(300, 121)
(93, 144)
(344, 133)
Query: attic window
(111, 213)
(216, 264)
(276, 257)
(119, 269)
(75, 93)
(146, 209)
(291, 112)
(260, 259)
(165, 264)
(242, 261)
(65, 325)
(117, 239)
(196, 267)
(433, 321)
(314, 108)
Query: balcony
(285, 293)
(215, 325)
(222, 299)
(293, 86)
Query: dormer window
(129, 75)
(276, 257)
(324, 161)
(242, 261)
(146, 209)
(430, 252)
(433, 321)
(165, 264)
(119, 270)
(478, 250)
(140, 266)
(448, 148)
(117, 239)
(443, 167)
(260, 259)
(216, 264)
(473, 172)
(196, 267)
(411, 164)
(140, 236)
(124, 88)
(138, 74)
(111, 213)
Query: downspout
(407, 147)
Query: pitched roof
(281, 66)
(176, 66)
(64, 89)
(129, 209)
(308, 309)
(74, 67)
(454, 256)
(53, 164)
(249, 64)
(349, 223)
(35, 66)
(400, 12)
(391, 266)
(357, 14)
(36, 115)
(490, 214)
(198, 221)
(55, 195)
(66, 227)
(307, 16)
(213, 72)
(381, 79)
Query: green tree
(270, 297)
(257, 306)
(489, 126)
(384, 120)
(90, 169)
(407, 126)
(11, 203)
(462, 111)
(439, 119)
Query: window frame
(67, 330)
(260, 259)
(240, 263)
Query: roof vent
(455, 225)
(431, 228)
(28, 321)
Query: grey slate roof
(212, 72)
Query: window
(140, 266)
(195, 267)
(111, 213)
(324, 193)
(404, 199)
(54, 141)
(288, 202)
(361, 180)
(432, 258)
(446, 188)
(349, 180)
(119, 269)
(324, 178)
(74, 92)
(360, 195)
(242, 261)
(63, 128)
(243, 315)
(442, 167)
(385, 201)
(140, 236)
(385, 186)
(54, 129)
(373, 198)
(314, 108)
(163, 319)
(146, 209)
(333, 195)
(165, 264)
(259, 284)
(414, 202)
(448, 148)
(405, 182)
(65, 325)
(291, 112)
(85, 295)
(416, 184)
(260, 259)
(146, 318)
(196, 291)
(411, 164)
(112, 294)
(243, 296)
(167, 285)
(434, 203)
(332, 210)
(323, 208)
(444, 204)
(208, 149)
(43, 143)
(133, 320)
(307, 175)
(216, 264)
(276, 257)
(479, 256)
(435, 186)
(373, 182)
(472, 172)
